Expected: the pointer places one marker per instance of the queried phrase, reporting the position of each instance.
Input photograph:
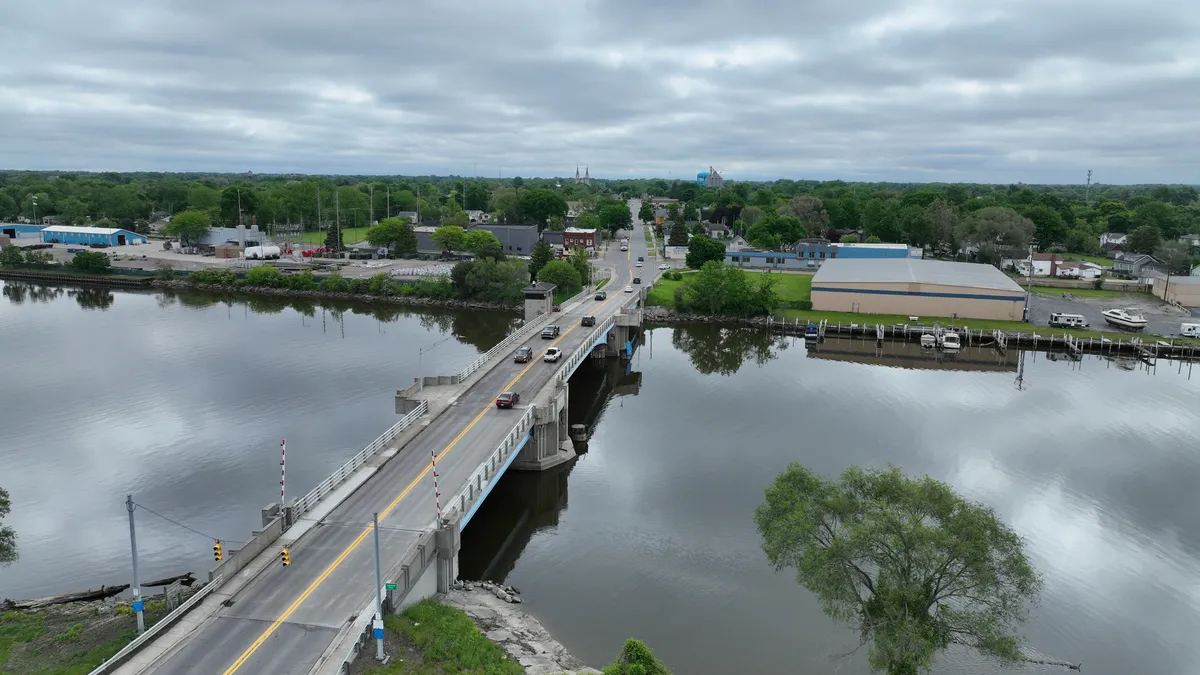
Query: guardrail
(488, 469)
(326, 486)
(505, 345)
(163, 624)
(568, 366)
(521, 334)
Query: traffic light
(217, 552)
(287, 557)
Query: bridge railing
(326, 486)
(521, 334)
(577, 357)
(487, 470)
(164, 623)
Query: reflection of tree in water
(17, 293)
(93, 298)
(267, 304)
(483, 329)
(717, 349)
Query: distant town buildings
(586, 179)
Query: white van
(1061, 320)
(1190, 330)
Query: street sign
(390, 587)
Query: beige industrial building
(913, 287)
(1183, 291)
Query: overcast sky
(952, 90)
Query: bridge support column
(449, 541)
(551, 443)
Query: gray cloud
(932, 90)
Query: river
(649, 532)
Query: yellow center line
(287, 613)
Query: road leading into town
(283, 621)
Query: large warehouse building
(1180, 290)
(113, 236)
(910, 287)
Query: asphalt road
(285, 619)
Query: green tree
(479, 242)
(562, 274)
(678, 235)
(581, 260)
(689, 212)
(190, 227)
(450, 238)
(395, 234)
(635, 659)
(334, 238)
(540, 204)
(873, 240)
(1144, 239)
(646, 212)
(614, 216)
(913, 566)
(11, 256)
(8, 537)
(203, 198)
(588, 221)
(849, 239)
(477, 196)
(1160, 215)
(90, 261)
(673, 212)
(751, 214)
(541, 254)
(1176, 255)
(1048, 225)
(265, 275)
(702, 249)
(227, 208)
(1081, 241)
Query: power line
(190, 529)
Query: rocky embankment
(666, 315)
(410, 300)
(494, 609)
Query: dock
(1074, 347)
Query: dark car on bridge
(588, 321)
(637, 280)
(550, 332)
(508, 399)
(602, 295)
(523, 355)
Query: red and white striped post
(437, 496)
(282, 473)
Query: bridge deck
(286, 617)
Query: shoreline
(494, 610)
(38, 276)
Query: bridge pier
(551, 443)
(449, 541)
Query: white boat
(950, 341)
(928, 341)
(1125, 318)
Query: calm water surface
(649, 533)
(1095, 465)
(183, 400)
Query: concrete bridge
(259, 617)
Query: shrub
(11, 255)
(213, 277)
(302, 281)
(1098, 284)
(264, 275)
(90, 261)
(335, 283)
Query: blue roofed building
(17, 230)
(809, 254)
(86, 236)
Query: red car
(508, 399)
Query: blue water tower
(702, 178)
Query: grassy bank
(68, 639)
(789, 287)
(1081, 292)
(433, 639)
(350, 235)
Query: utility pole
(1087, 192)
(239, 194)
(389, 201)
(318, 207)
(377, 629)
(1029, 282)
(33, 198)
(337, 216)
(371, 212)
(137, 590)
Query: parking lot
(1161, 318)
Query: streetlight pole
(377, 629)
(137, 591)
